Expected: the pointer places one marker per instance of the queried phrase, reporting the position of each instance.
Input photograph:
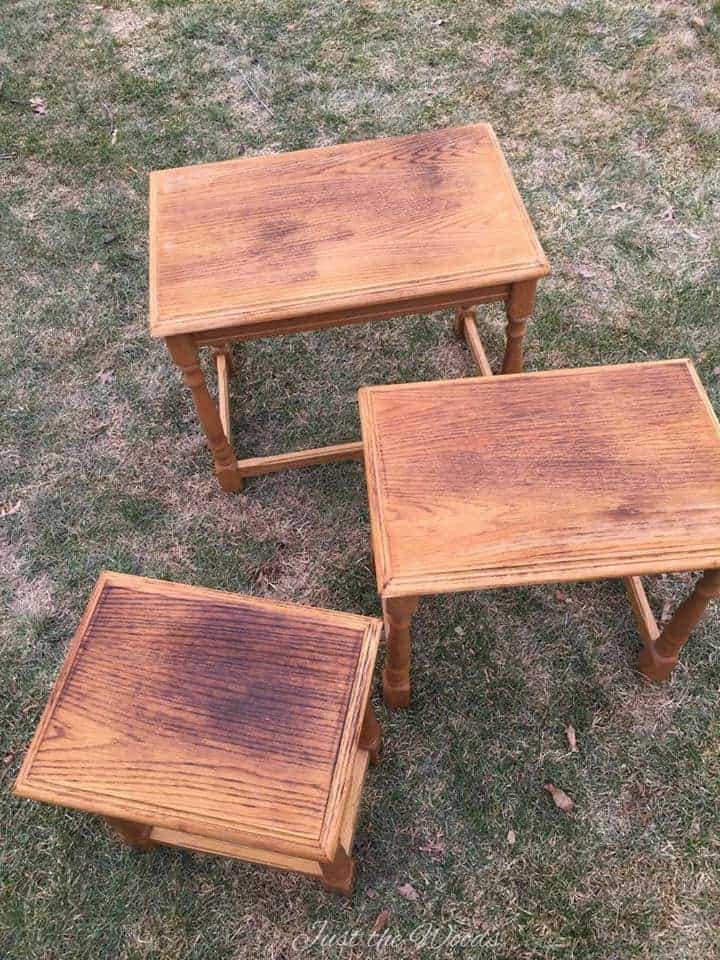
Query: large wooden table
(319, 238)
(539, 478)
(207, 720)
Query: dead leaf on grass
(382, 920)
(587, 273)
(561, 800)
(572, 738)
(408, 892)
(511, 837)
(434, 848)
(8, 509)
(38, 105)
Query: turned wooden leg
(134, 834)
(340, 874)
(184, 352)
(459, 319)
(658, 659)
(519, 308)
(371, 734)
(396, 673)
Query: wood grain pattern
(466, 327)
(334, 453)
(396, 672)
(433, 215)
(340, 318)
(223, 848)
(659, 657)
(210, 714)
(223, 366)
(519, 308)
(184, 352)
(644, 617)
(533, 478)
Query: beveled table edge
(392, 586)
(323, 847)
(380, 296)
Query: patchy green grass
(608, 112)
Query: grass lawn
(608, 113)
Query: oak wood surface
(208, 713)
(336, 452)
(531, 478)
(644, 617)
(224, 848)
(275, 239)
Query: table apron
(339, 318)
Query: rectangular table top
(541, 477)
(207, 712)
(380, 222)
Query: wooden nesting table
(539, 478)
(200, 719)
(319, 238)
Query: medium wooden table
(320, 238)
(539, 478)
(207, 720)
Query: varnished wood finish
(269, 858)
(371, 734)
(223, 366)
(134, 834)
(396, 672)
(252, 331)
(340, 874)
(644, 618)
(538, 478)
(658, 658)
(345, 234)
(185, 354)
(337, 452)
(520, 306)
(534, 478)
(466, 327)
(335, 229)
(208, 714)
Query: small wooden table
(539, 478)
(221, 723)
(319, 238)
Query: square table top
(211, 713)
(541, 477)
(382, 222)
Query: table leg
(658, 659)
(340, 874)
(226, 350)
(184, 352)
(466, 327)
(134, 834)
(371, 734)
(519, 308)
(396, 673)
